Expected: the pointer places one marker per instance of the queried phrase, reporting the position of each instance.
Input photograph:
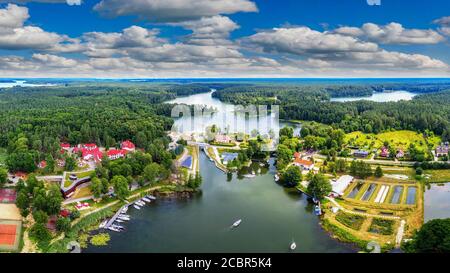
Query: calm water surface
(271, 218)
(381, 97)
(437, 202)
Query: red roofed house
(304, 164)
(116, 154)
(90, 146)
(65, 146)
(128, 145)
(384, 152)
(93, 154)
(297, 155)
(42, 164)
(64, 213)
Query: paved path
(401, 230)
(71, 201)
(361, 213)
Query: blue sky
(224, 38)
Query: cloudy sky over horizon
(224, 38)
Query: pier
(114, 218)
(116, 215)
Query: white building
(341, 184)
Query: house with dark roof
(361, 153)
(442, 150)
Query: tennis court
(8, 196)
(9, 234)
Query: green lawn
(67, 182)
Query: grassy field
(437, 176)
(398, 139)
(67, 181)
(82, 192)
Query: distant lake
(22, 84)
(437, 202)
(381, 97)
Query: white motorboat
(141, 203)
(114, 229)
(146, 199)
(136, 207)
(293, 246)
(120, 221)
(151, 197)
(103, 224)
(123, 218)
(124, 210)
(237, 223)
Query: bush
(63, 224)
(101, 239)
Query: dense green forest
(428, 111)
(34, 121)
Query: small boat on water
(139, 203)
(120, 221)
(114, 229)
(277, 178)
(136, 207)
(293, 245)
(237, 223)
(317, 210)
(146, 199)
(118, 226)
(249, 176)
(124, 210)
(151, 197)
(124, 215)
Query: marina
(122, 217)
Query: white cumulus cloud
(173, 10)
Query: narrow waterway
(272, 216)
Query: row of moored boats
(122, 216)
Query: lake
(437, 202)
(20, 83)
(226, 118)
(381, 97)
(272, 216)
